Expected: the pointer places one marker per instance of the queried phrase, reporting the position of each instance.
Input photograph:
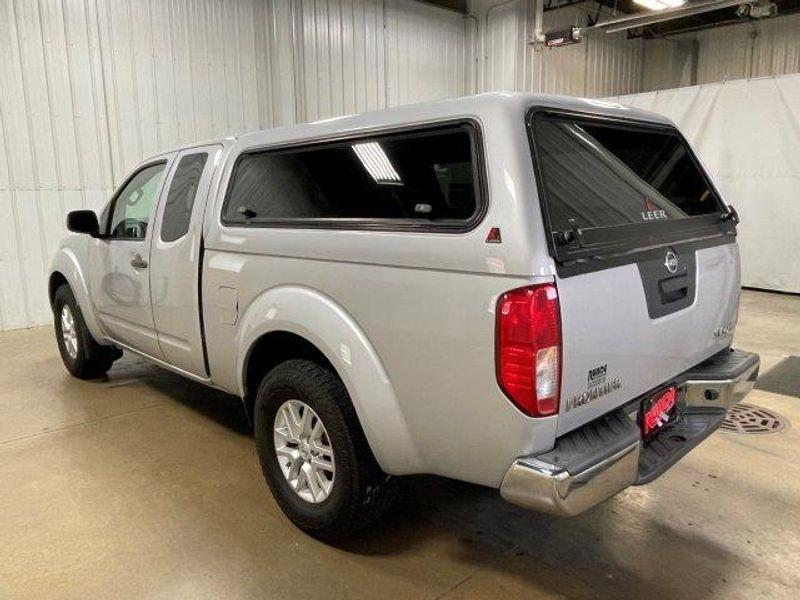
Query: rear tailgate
(614, 351)
(648, 268)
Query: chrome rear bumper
(542, 486)
(721, 393)
(539, 483)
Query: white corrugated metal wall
(752, 49)
(90, 87)
(612, 64)
(603, 65)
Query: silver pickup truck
(532, 293)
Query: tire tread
(373, 492)
(94, 360)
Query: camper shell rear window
(610, 185)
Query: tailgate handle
(673, 289)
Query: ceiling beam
(459, 6)
(643, 20)
(718, 18)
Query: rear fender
(318, 319)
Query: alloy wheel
(304, 451)
(68, 332)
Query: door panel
(175, 256)
(118, 266)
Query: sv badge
(723, 330)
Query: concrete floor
(146, 485)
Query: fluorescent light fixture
(659, 4)
(651, 4)
(376, 163)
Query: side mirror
(83, 221)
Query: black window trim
(626, 243)
(111, 205)
(471, 126)
(178, 158)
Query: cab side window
(134, 204)
(180, 199)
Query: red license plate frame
(658, 411)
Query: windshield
(599, 174)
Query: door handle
(138, 262)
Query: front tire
(83, 357)
(314, 455)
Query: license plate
(658, 411)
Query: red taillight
(529, 348)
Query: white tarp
(747, 134)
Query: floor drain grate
(747, 418)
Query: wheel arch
(65, 268)
(297, 322)
(268, 351)
(57, 279)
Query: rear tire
(83, 357)
(351, 491)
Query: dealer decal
(597, 375)
(598, 384)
